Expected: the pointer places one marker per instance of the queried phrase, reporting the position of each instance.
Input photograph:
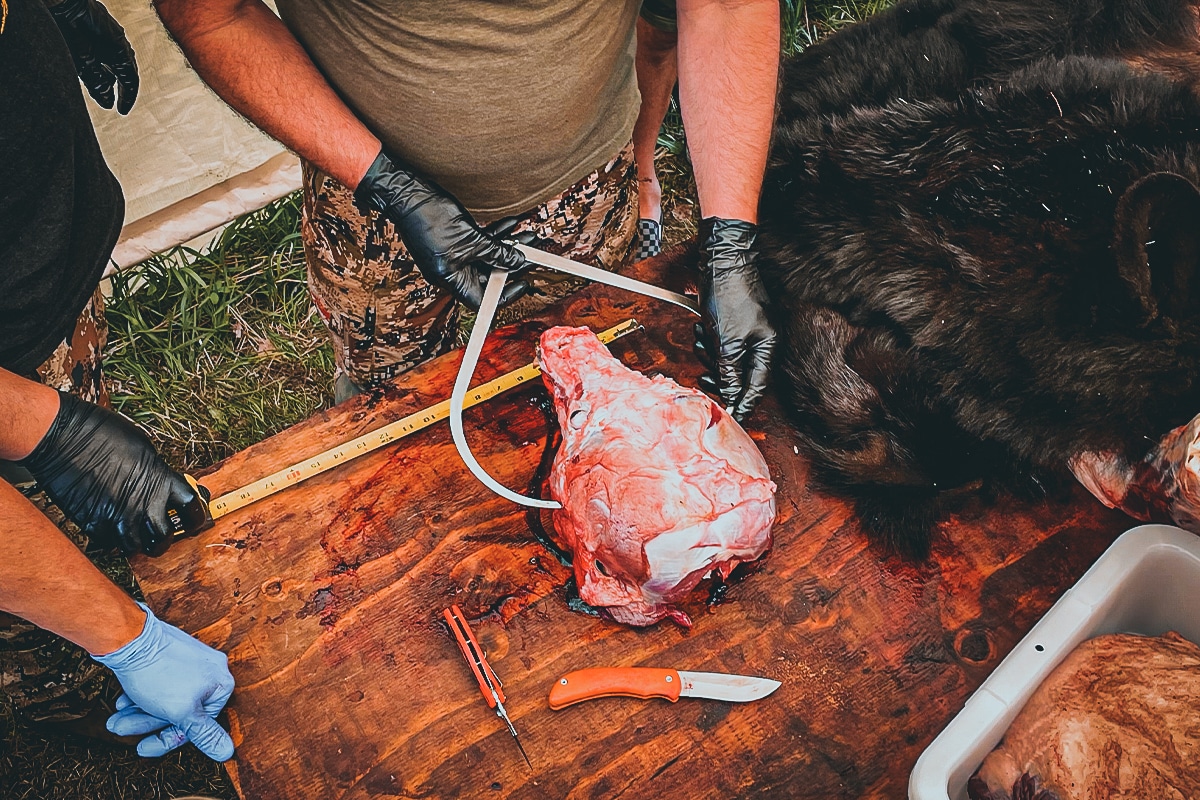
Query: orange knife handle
(587, 684)
(453, 616)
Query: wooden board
(328, 598)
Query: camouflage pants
(43, 676)
(384, 318)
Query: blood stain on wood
(354, 567)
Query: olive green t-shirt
(506, 103)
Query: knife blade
(648, 682)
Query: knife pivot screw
(668, 679)
(563, 681)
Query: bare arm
(27, 409)
(728, 72)
(43, 576)
(251, 60)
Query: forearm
(26, 411)
(45, 579)
(251, 60)
(728, 72)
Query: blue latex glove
(174, 688)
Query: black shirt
(60, 206)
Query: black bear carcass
(981, 223)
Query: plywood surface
(328, 598)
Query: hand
(734, 339)
(105, 475)
(174, 688)
(102, 55)
(443, 239)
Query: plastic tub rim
(954, 755)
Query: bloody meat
(659, 486)
(1162, 487)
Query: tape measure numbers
(196, 517)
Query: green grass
(804, 24)
(213, 351)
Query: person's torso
(504, 102)
(60, 206)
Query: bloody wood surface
(328, 598)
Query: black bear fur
(981, 226)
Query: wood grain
(328, 598)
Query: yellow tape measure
(198, 516)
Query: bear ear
(1156, 242)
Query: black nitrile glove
(105, 475)
(734, 339)
(102, 55)
(451, 251)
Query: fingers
(98, 80)
(220, 696)
(739, 375)
(175, 685)
(497, 253)
(158, 524)
(707, 381)
(513, 291)
(741, 412)
(201, 729)
(729, 373)
(467, 287)
(527, 238)
(157, 532)
(506, 257)
(163, 742)
(181, 512)
(756, 380)
(501, 228)
(700, 348)
(128, 535)
(133, 721)
(162, 514)
(179, 492)
(127, 79)
(209, 737)
(119, 59)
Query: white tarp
(187, 163)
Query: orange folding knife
(646, 682)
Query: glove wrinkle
(174, 688)
(105, 475)
(452, 252)
(734, 335)
(103, 58)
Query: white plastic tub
(1147, 582)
